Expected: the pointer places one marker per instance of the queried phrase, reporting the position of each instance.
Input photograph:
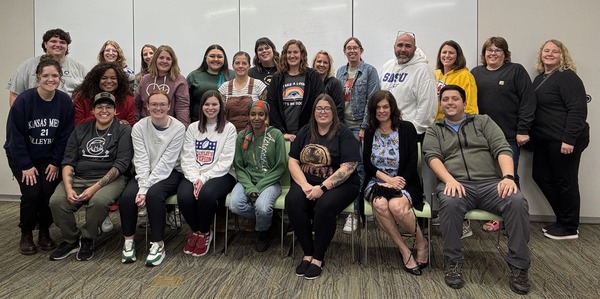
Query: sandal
(492, 226)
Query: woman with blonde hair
(112, 52)
(323, 64)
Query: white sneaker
(156, 255)
(107, 225)
(128, 255)
(466, 231)
(351, 224)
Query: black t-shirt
(319, 161)
(293, 94)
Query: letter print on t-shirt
(205, 151)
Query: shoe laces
(454, 270)
(520, 275)
(154, 248)
(128, 245)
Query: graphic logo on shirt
(152, 86)
(395, 79)
(440, 85)
(293, 93)
(205, 151)
(316, 160)
(95, 148)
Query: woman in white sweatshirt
(206, 159)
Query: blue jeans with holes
(262, 209)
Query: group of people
(141, 138)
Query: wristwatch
(509, 176)
(323, 188)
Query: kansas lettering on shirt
(39, 130)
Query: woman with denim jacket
(360, 81)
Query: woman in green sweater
(260, 162)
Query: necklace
(106, 132)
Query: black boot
(27, 247)
(45, 241)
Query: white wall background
(190, 27)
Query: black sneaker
(313, 271)
(262, 244)
(547, 227)
(519, 280)
(64, 249)
(86, 249)
(301, 269)
(453, 275)
(560, 233)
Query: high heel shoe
(414, 271)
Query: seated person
(97, 155)
(475, 168)
(260, 161)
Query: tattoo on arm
(342, 174)
(110, 176)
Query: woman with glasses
(164, 74)
(505, 93)
(293, 90)
(211, 74)
(323, 64)
(322, 163)
(360, 81)
(266, 60)
(157, 141)
(113, 53)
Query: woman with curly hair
(112, 52)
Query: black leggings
(199, 213)
(34, 199)
(155, 205)
(325, 210)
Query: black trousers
(557, 175)
(34, 199)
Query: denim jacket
(366, 83)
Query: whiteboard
(90, 24)
(320, 25)
(376, 24)
(188, 26)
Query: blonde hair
(153, 68)
(121, 61)
(330, 70)
(566, 62)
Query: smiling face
(265, 53)
(383, 111)
(164, 62)
(104, 113)
(448, 56)
(241, 65)
(158, 106)
(452, 105)
(322, 65)
(293, 56)
(404, 48)
(147, 53)
(110, 53)
(323, 113)
(258, 118)
(108, 81)
(353, 52)
(49, 78)
(551, 56)
(56, 47)
(211, 109)
(494, 56)
(215, 60)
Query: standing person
(211, 74)
(38, 126)
(293, 90)
(505, 93)
(412, 82)
(164, 75)
(146, 55)
(112, 52)
(97, 155)
(240, 92)
(473, 161)
(206, 159)
(157, 142)
(360, 81)
(393, 183)
(266, 60)
(560, 134)
(451, 68)
(322, 164)
(260, 162)
(323, 64)
(55, 42)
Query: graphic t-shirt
(293, 93)
(348, 85)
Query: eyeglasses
(105, 107)
(494, 51)
(355, 48)
(325, 109)
(161, 105)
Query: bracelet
(323, 188)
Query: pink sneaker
(203, 244)
(190, 243)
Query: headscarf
(249, 135)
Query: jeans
(262, 209)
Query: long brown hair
(221, 121)
(314, 127)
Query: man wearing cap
(97, 155)
(55, 42)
